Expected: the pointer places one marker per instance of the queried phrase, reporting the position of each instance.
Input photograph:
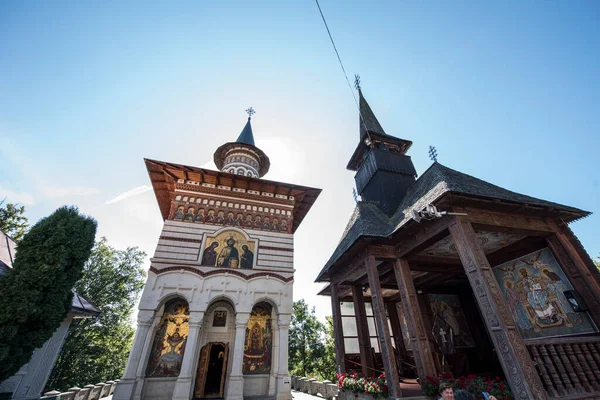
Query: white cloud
(130, 193)
(68, 191)
(16, 197)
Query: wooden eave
(164, 178)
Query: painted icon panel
(258, 343)
(451, 327)
(229, 249)
(534, 287)
(169, 341)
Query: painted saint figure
(211, 216)
(209, 258)
(229, 256)
(179, 213)
(248, 222)
(230, 220)
(220, 217)
(239, 220)
(200, 215)
(189, 215)
(247, 259)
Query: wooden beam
(383, 330)
(518, 366)
(533, 225)
(338, 330)
(429, 233)
(422, 351)
(382, 251)
(362, 327)
(448, 269)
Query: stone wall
(325, 389)
(88, 392)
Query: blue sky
(507, 91)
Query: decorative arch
(258, 341)
(170, 340)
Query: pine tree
(36, 295)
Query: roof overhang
(164, 177)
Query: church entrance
(210, 378)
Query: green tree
(36, 295)
(112, 281)
(306, 343)
(13, 221)
(326, 367)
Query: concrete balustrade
(325, 389)
(88, 392)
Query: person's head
(230, 242)
(446, 391)
(523, 272)
(245, 248)
(214, 245)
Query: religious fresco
(257, 346)
(169, 341)
(450, 328)
(534, 286)
(229, 249)
(219, 318)
(208, 214)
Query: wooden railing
(569, 367)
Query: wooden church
(216, 308)
(448, 273)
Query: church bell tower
(383, 170)
(215, 311)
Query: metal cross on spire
(433, 153)
(250, 112)
(357, 82)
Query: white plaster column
(235, 384)
(140, 379)
(183, 386)
(284, 382)
(126, 385)
(274, 357)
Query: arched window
(259, 339)
(169, 340)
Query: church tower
(383, 170)
(215, 311)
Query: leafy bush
(376, 387)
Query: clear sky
(508, 91)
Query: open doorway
(210, 378)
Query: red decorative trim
(274, 248)
(220, 271)
(181, 239)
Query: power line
(344, 70)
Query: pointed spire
(368, 122)
(246, 136)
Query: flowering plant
(473, 384)
(376, 387)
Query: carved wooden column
(414, 320)
(338, 330)
(362, 327)
(582, 279)
(383, 330)
(394, 314)
(518, 367)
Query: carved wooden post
(364, 341)
(383, 330)
(414, 320)
(514, 357)
(393, 312)
(338, 330)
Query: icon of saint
(179, 213)
(209, 258)
(247, 259)
(229, 256)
